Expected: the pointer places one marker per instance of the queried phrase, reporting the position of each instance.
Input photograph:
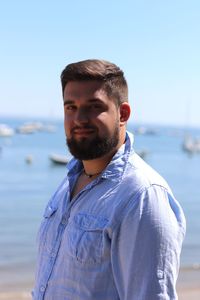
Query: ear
(125, 111)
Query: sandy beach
(188, 287)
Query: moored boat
(6, 131)
(58, 159)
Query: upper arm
(146, 248)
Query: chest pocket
(85, 238)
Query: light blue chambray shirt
(119, 239)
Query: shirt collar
(115, 169)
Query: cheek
(107, 122)
(67, 126)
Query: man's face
(91, 120)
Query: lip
(83, 132)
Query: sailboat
(191, 145)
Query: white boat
(191, 145)
(58, 159)
(29, 127)
(32, 127)
(142, 130)
(6, 131)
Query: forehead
(80, 89)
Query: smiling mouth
(83, 131)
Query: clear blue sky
(156, 43)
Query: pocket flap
(90, 222)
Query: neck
(96, 166)
(91, 175)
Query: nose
(81, 116)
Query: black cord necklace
(90, 175)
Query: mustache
(83, 127)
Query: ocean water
(26, 188)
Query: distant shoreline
(59, 119)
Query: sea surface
(25, 189)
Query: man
(113, 230)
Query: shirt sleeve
(146, 245)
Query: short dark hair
(112, 77)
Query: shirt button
(64, 222)
(42, 288)
(53, 254)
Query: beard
(88, 149)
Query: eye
(96, 106)
(70, 107)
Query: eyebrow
(66, 102)
(92, 100)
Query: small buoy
(29, 159)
